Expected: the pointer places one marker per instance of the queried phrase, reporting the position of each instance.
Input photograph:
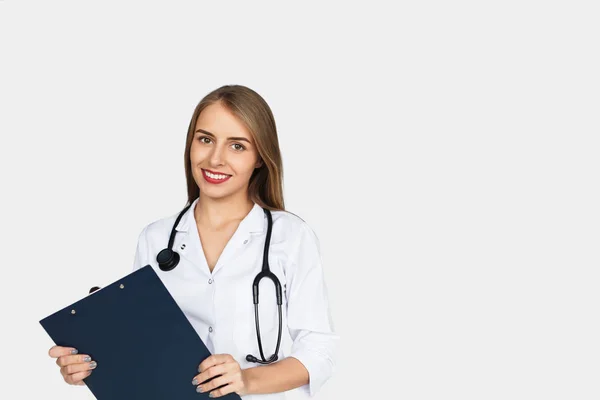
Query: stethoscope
(168, 259)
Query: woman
(234, 173)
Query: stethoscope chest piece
(167, 259)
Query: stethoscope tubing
(168, 259)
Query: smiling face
(223, 154)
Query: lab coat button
(245, 241)
(210, 281)
(210, 328)
(183, 246)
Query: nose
(217, 156)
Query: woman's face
(223, 154)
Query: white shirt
(219, 304)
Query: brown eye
(202, 139)
(239, 147)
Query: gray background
(445, 153)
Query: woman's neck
(215, 214)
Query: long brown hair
(266, 183)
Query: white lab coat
(219, 304)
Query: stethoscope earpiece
(167, 259)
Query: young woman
(234, 173)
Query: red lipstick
(213, 180)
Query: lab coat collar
(254, 222)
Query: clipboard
(144, 345)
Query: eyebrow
(241, 139)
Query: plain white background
(445, 153)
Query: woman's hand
(73, 367)
(226, 375)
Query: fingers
(58, 351)
(76, 359)
(73, 367)
(220, 374)
(224, 390)
(73, 374)
(77, 378)
(210, 373)
(221, 385)
(214, 360)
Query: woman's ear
(259, 163)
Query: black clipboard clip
(93, 289)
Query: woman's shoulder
(285, 219)
(158, 227)
(289, 226)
